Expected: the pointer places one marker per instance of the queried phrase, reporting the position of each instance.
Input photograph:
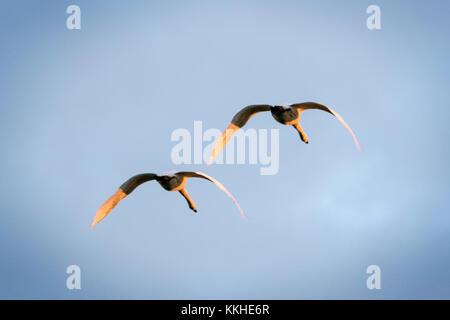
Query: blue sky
(83, 110)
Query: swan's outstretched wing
(186, 174)
(124, 190)
(313, 105)
(238, 121)
(241, 118)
